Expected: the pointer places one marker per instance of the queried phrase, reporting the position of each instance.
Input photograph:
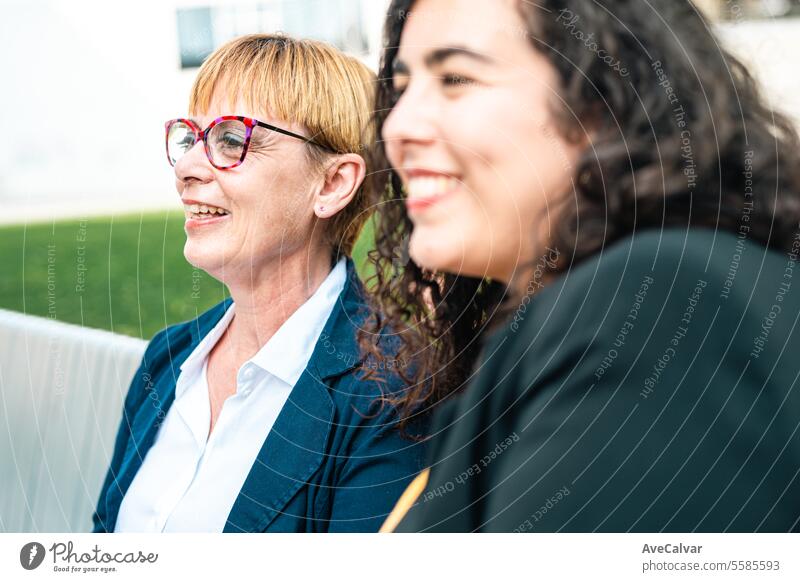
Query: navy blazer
(334, 459)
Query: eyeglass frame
(249, 122)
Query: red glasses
(226, 139)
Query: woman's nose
(194, 166)
(412, 120)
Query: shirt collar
(288, 351)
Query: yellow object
(405, 502)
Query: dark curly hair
(679, 132)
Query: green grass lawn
(125, 274)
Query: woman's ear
(343, 178)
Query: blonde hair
(299, 81)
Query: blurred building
(87, 84)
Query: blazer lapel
(296, 446)
(291, 454)
(143, 430)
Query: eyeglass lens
(226, 142)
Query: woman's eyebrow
(440, 55)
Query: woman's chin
(443, 253)
(203, 257)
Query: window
(195, 36)
(338, 22)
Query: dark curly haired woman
(602, 219)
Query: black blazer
(652, 388)
(333, 462)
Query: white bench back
(61, 393)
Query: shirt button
(248, 372)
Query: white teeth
(428, 187)
(203, 209)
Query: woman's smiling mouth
(198, 214)
(426, 189)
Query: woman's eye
(449, 81)
(231, 140)
(453, 80)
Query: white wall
(772, 50)
(86, 85)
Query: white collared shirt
(188, 480)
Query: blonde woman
(255, 416)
